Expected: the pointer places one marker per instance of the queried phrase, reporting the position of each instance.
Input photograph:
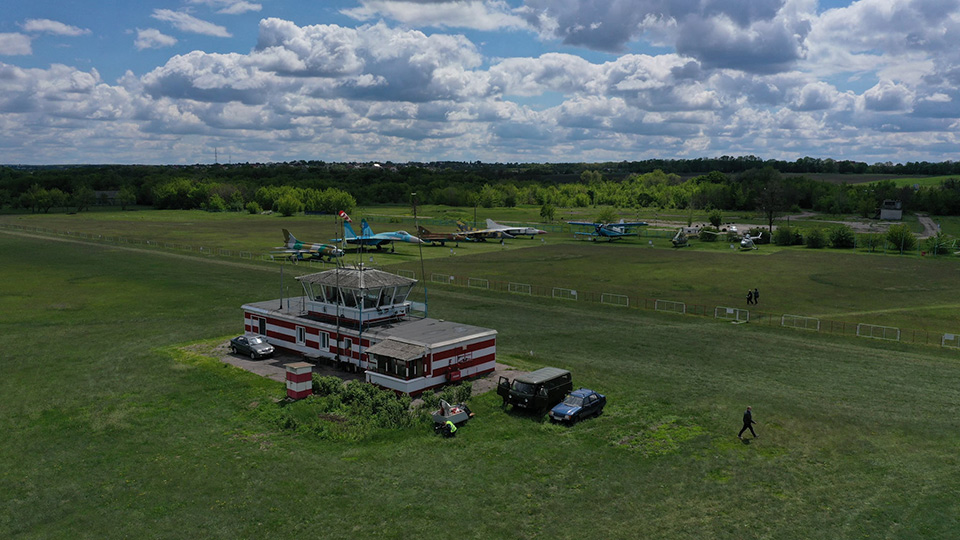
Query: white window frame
(301, 335)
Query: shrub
(216, 204)
(707, 234)
(939, 244)
(783, 236)
(902, 239)
(715, 217)
(871, 241)
(841, 237)
(816, 239)
(327, 385)
(760, 236)
(289, 205)
(253, 207)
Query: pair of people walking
(753, 296)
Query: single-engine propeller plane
(368, 238)
(298, 251)
(608, 231)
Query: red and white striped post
(299, 380)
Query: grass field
(111, 429)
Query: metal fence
(886, 333)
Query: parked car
(536, 391)
(255, 346)
(578, 405)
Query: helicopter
(747, 242)
(680, 239)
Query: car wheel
(253, 355)
(233, 350)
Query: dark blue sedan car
(578, 405)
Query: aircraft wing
(585, 223)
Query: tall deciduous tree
(771, 194)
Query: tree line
(743, 183)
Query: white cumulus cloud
(188, 23)
(48, 26)
(151, 38)
(15, 44)
(229, 7)
(474, 14)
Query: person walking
(748, 424)
(756, 295)
(749, 297)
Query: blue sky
(490, 80)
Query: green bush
(289, 205)
(871, 241)
(901, 237)
(715, 217)
(816, 239)
(327, 385)
(253, 207)
(216, 204)
(783, 236)
(842, 237)
(760, 236)
(940, 244)
(707, 234)
(342, 411)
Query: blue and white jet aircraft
(369, 238)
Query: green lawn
(110, 430)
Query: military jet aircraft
(368, 238)
(439, 238)
(298, 251)
(513, 231)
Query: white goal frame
(874, 331)
(731, 314)
(801, 322)
(615, 299)
(670, 306)
(564, 294)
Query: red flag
(343, 215)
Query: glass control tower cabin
(359, 319)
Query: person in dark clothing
(748, 424)
(756, 295)
(749, 297)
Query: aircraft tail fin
(422, 230)
(288, 238)
(348, 231)
(365, 229)
(462, 226)
(491, 224)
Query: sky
(193, 81)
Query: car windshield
(573, 401)
(522, 387)
(256, 340)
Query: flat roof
(432, 332)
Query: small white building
(891, 210)
(358, 318)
